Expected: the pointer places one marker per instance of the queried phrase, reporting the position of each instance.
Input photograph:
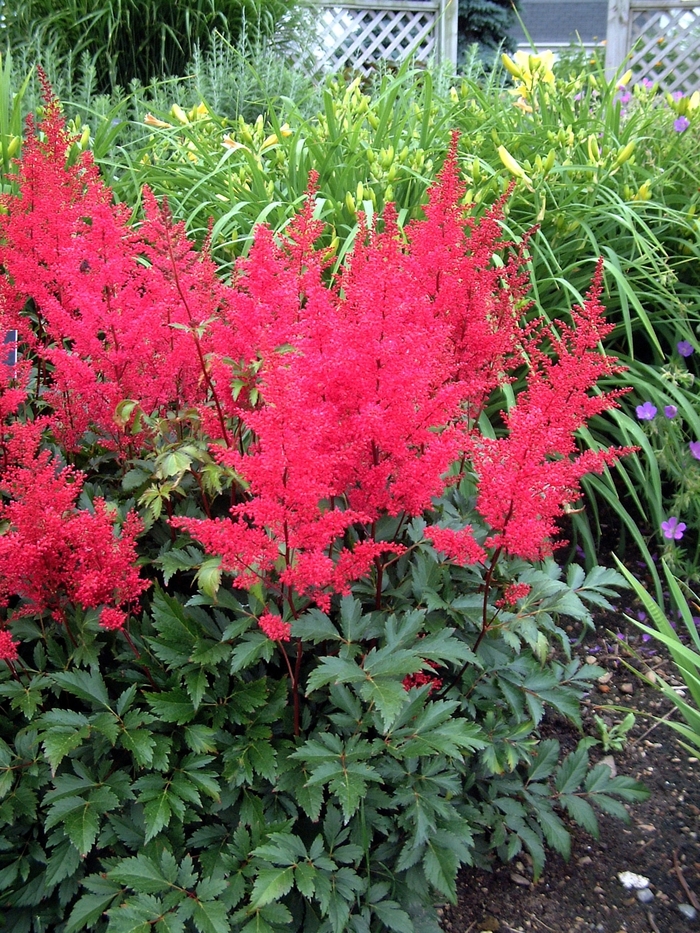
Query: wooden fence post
(617, 43)
(447, 31)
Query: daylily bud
(593, 149)
(510, 163)
(179, 113)
(624, 154)
(511, 67)
(13, 147)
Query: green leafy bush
(281, 623)
(135, 39)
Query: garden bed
(660, 843)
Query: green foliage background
(136, 39)
(489, 24)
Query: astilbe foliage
(317, 745)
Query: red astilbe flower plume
(366, 390)
(120, 309)
(54, 554)
(8, 647)
(357, 415)
(480, 303)
(528, 478)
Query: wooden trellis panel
(659, 41)
(360, 33)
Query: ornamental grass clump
(279, 642)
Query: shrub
(135, 39)
(280, 610)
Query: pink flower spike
(673, 529)
(112, 619)
(8, 647)
(274, 627)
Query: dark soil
(661, 842)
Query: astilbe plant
(358, 679)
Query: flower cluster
(672, 528)
(333, 401)
(52, 554)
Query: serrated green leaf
(137, 915)
(82, 826)
(196, 682)
(252, 647)
(157, 813)
(533, 843)
(310, 799)
(393, 917)
(554, 830)
(170, 923)
(388, 696)
(334, 671)
(211, 917)
(440, 865)
(210, 888)
(63, 863)
(547, 756)
(305, 878)
(271, 884)
(258, 924)
(88, 686)
(60, 741)
(172, 706)
(141, 874)
(572, 771)
(612, 807)
(170, 562)
(126, 699)
(88, 910)
(314, 626)
(135, 478)
(581, 812)
(140, 743)
(209, 576)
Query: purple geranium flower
(646, 412)
(685, 348)
(681, 124)
(673, 529)
(695, 449)
(670, 411)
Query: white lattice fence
(360, 33)
(659, 41)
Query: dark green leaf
(271, 884)
(211, 917)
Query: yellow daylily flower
(232, 144)
(150, 120)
